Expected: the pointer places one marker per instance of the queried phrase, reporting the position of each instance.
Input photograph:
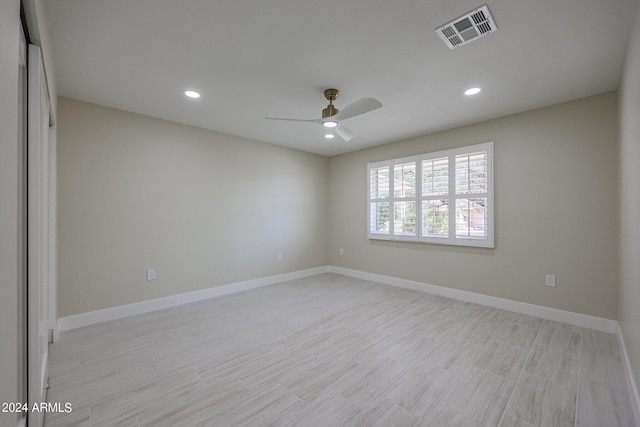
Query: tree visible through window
(443, 197)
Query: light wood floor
(329, 350)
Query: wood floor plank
(501, 359)
(378, 376)
(445, 416)
(542, 403)
(384, 414)
(77, 418)
(420, 389)
(480, 396)
(509, 421)
(600, 405)
(555, 365)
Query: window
(444, 197)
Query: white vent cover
(475, 24)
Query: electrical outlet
(279, 256)
(550, 280)
(341, 251)
(151, 274)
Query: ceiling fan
(332, 117)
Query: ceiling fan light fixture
(330, 124)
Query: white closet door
(38, 240)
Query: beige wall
(629, 295)
(9, 213)
(555, 211)
(203, 208)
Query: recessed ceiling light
(329, 136)
(192, 94)
(472, 91)
(330, 124)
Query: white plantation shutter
(472, 195)
(435, 203)
(443, 197)
(379, 199)
(405, 198)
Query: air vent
(472, 26)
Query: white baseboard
(632, 387)
(92, 317)
(577, 319)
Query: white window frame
(451, 239)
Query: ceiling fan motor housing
(329, 111)
(331, 95)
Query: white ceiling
(255, 58)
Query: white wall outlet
(550, 280)
(151, 274)
(279, 256)
(341, 251)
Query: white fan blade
(292, 120)
(344, 133)
(359, 107)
